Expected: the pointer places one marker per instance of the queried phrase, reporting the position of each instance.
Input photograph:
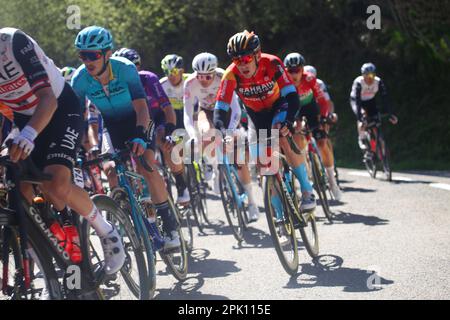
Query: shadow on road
(327, 271)
(351, 189)
(348, 217)
(203, 267)
(187, 290)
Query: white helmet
(310, 69)
(204, 63)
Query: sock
(302, 176)
(169, 221)
(248, 188)
(330, 173)
(98, 222)
(277, 205)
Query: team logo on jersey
(257, 90)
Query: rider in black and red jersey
(269, 96)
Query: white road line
(361, 174)
(400, 178)
(440, 186)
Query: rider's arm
(357, 89)
(93, 121)
(288, 90)
(138, 96)
(224, 99)
(235, 117)
(188, 113)
(38, 80)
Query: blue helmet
(368, 68)
(129, 54)
(94, 38)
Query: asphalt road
(388, 241)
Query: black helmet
(130, 54)
(243, 43)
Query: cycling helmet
(293, 60)
(310, 69)
(204, 63)
(368, 68)
(171, 61)
(94, 38)
(67, 73)
(130, 54)
(243, 43)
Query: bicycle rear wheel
(176, 260)
(134, 274)
(231, 208)
(280, 225)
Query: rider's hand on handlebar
(138, 146)
(285, 128)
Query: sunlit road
(401, 230)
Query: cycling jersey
(175, 93)
(195, 93)
(324, 88)
(363, 95)
(114, 100)
(156, 97)
(6, 112)
(258, 92)
(24, 69)
(310, 92)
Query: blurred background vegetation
(411, 52)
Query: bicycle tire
(286, 226)
(384, 157)
(319, 184)
(121, 197)
(232, 211)
(194, 192)
(179, 271)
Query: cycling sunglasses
(172, 72)
(90, 55)
(204, 77)
(295, 70)
(243, 60)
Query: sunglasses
(172, 72)
(243, 60)
(295, 70)
(90, 55)
(204, 77)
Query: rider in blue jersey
(113, 85)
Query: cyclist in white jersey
(363, 98)
(200, 89)
(50, 119)
(173, 84)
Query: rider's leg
(61, 192)
(160, 199)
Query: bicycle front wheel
(280, 225)
(177, 259)
(320, 184)
(132, 281)
(231, 208)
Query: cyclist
(363, 98)
(310, 92)
(113, 85)
(200, 91)
(49, 117)
(163, 115)
(269, 96)
(173, 84)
